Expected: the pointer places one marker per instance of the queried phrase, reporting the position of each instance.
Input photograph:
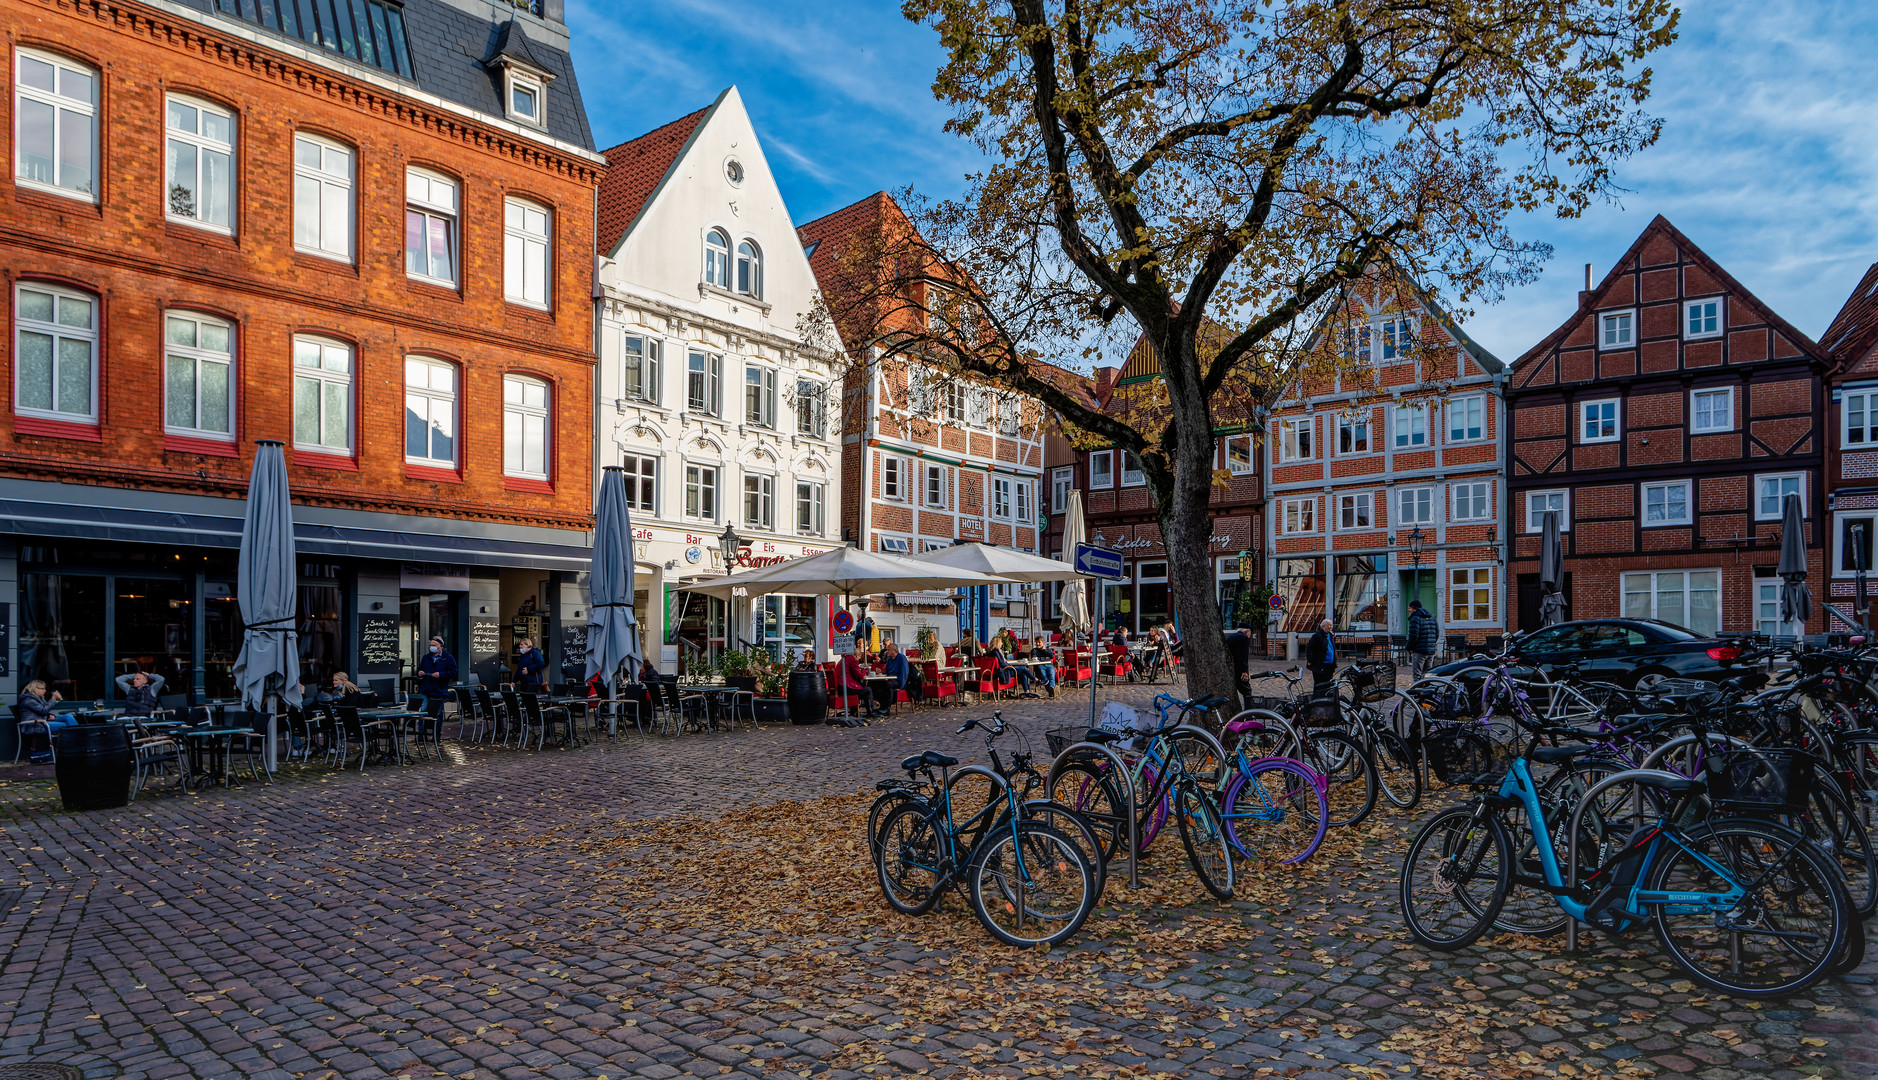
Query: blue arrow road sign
(1098, 562)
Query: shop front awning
(74, 512)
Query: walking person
(529, 665)
(141, 691)
(1424, 636)
(436, 673)
(1321, 653)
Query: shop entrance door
(1418, 585)
(422, 616)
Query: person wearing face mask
(436, 672)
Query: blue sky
(1768, 159)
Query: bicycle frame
(942, 813)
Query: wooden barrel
(93, 766)
(808, 697)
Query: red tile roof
(1856, 326)
(634, 170)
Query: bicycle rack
(1656, 756)
(1121, 770)
(1585, 800)
(1219, 752)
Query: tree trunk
(1187, 532)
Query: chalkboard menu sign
(485, 649)
(378, 645)
(573, 652)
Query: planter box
(772, 710)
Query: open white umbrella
(1075, 598)
(266, 580)
(843, 571)
(1008, 563)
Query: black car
(1621, 651)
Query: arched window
(201, 163)
(56, 124)
(198, 376)
(525, 427)
(717, 259)
(429, 412)
(749, 269)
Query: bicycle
(1026, 882)
(1278, 794)
(1745, 906)
(1306, 728)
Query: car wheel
(1637, 677)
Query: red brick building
(369, 238)
(1665, 421)
(1851, 469)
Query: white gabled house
(705, 392)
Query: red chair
(1116, 665)
(936, 687)
(839, 700)
(986, 678)
(1072, 666)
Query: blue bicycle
(1746, 906)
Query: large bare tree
(1204, 177)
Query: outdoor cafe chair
(540, 719)
(680, 707)
(154, 755)
(38, 730)
(367, 735)
(469, 714)
(517, 717)
(495, 710)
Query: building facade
(1385, 473)
(706, 393)
(362, 231)
(930, 459)
(1851, 454)
(1665, 422)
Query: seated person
(140, 692)
(906, 674)
(1046, 672)
(1005, 669)
(854, 681)
(35, 707)
(969, 649)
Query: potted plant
(772, 680)
(738, 667)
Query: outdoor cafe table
(399, 720)
(214, 744)
(570, 703)
(883, 687)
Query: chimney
(1584, 294)
(1104, 382)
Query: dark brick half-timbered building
(1851, 471)
(1666, 420)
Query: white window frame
(1767, 618)
(1697, 308)
(1664, 486)
(1678, 618)
(324, 379)
(197, 356)
(710, 376)
(1536, 523)
(332, 196)
(1295, 439)
(704, 483)
(1627, 336)
(1023, 514)
(933, 545)
(1780, 498)
(1465, 404)
(642, 359)
(1475, 589)
(1616, 421)
(952, 397)
(1062, 482)
(197, 145)
(642, 481)
(1246, 465)
(934, 481)
(1352, 507)
(1001, 498)
(517, 414)
(1728, 394)
(1480, 498)
(1297, 517)
(1840, 520)
(765, 387)
(1405, 423)
(1396, 338)
(764, 490)
(894, 477)
(812, 497)
(60, 104)
(1348, 424)
(1414, 506)
(527, 252)
(423, 191)
(747, 266)
(516, 79)
(895, 545)
(1102, 469)
(60, 332)
(433, 398)
(717, 249)
(1867, 401)
(812, 396)
(1132, 477)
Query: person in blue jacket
(529, 666)
(436, 673)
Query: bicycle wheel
(1455, 878)
(1088, 838)
(1396, 774)
(1275, 811)
(1782, 936)
(974, 789)
(1833, 823)
(1198, 758)
(884, 804)
(1348, 772)
(1852, 953)
(1204, 836)
(1087, 788)
(1030, 885)
(911, 860)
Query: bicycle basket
(1758, 780)
(1315, 712)
(1664, 686)
(1061, 739)
(1281, 706)
(1466, 757)
(1380, 683)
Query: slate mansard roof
(451, 48)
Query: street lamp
(1415, 540)
(729, 543)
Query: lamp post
(729, 543)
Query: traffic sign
(1278, 602)
(1098, 562)
(844, 622)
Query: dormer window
(526, 98)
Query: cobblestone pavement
(464, 919)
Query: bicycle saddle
(1552, 755)
(1213, 701)
(931, 757)
(1097, 735)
